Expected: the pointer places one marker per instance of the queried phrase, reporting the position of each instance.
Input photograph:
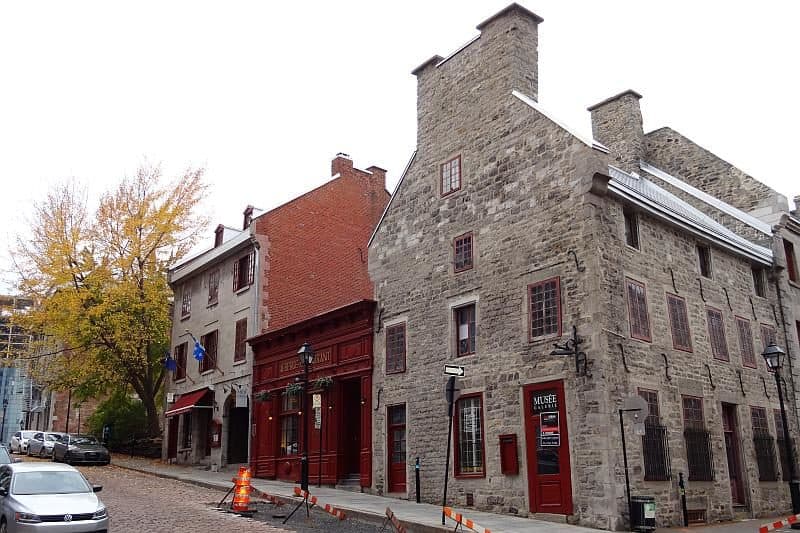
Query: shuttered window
(745, 335)
(240, 347)
(716, 334)
(679, 323)
(637, 310)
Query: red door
(397, 448)
(732, 452)
(549, 482)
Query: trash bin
(643, 513)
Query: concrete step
(351, 483)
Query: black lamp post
(3, 423)
(306, 354)
(773, 355)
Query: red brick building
(315, 287)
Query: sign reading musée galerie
(545, 406)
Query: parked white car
(19, 441)
(41, 444)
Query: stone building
(510, 233)
(217, 297)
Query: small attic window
(704, 260)
(631, 228)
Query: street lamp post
(773, 355)
(306, 354)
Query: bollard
(682, 491)
(416, 475)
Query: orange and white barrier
(330, 509)
(400, 528)
(466, 522)
(241, 491)
(789, 520)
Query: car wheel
(3, 526)
(42, 453)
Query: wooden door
(172, 443)
(396, 446)
(350, 437)
(547, 453)
(731, 432)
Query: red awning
(186, 403)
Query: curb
(365, 516)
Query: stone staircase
(352, 483)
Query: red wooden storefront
(339, 422)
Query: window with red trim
(637, 310)
(180, 361)
(462, 252)
(209, 342)
(451, 176)
(465, 329)
(679, 323)
(240, 346)
(469, 444)
(767, 336)
(544, 300)
(716, 334)
(745, 335)
(791, 260)
(396, 348)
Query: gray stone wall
(669, 150)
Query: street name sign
(454, 370)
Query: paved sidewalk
(418, 517)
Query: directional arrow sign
(454, 370)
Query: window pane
(465, 330)
(396, 348)
(289, 432)
(463, 252)
(470, 441)
(545, 312)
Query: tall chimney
(248, 217)
(219, 233)
(341, 164)
(617, 123)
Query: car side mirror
(97, 488)
(17, 460)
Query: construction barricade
(465, 522)
(788, 521)
(392, 519)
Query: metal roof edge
(756, 253)
(391, 199)
(713, 201)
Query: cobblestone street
(139, 503)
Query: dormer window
(451, 176)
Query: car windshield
(28, 434)
(48, 482)
(82, 440)
(4, 457)
(52, 437)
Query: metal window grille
(656, 453)
(765, 456)
(470, 440)
(716, 332)
(699, 455)
(186, 301)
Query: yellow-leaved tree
(99, 280)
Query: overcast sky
(264, 94)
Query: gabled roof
(391, 199)
(668, 207)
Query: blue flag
(199, 351)
(170, 364)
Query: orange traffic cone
(241, 491)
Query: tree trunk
(153, 425)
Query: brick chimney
(219, 233)
(617, 123)
(341, 164)
(379, 174)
